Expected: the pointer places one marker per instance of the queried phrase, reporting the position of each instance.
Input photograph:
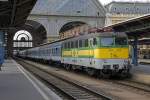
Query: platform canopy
(139, 26)
(13, 13)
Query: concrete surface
(18, 84)
(141, 73)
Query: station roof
(13, 13)
(139, 26)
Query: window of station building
(22, 39)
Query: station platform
(18, 84)
(141, 73)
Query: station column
(135, 52)
(2, 50)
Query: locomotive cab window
(121, 41)
(107, 41)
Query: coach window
(65, 45)
(68, 45)
(56, 51)
(53, 51)
(83, 43)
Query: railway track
(135, 85)
(73, 90)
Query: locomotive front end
(113, 55)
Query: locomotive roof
(102, 34)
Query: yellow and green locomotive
(105, 53)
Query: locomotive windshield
(121, 41)
(107, 41)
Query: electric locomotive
(105, 53)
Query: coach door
(74, 51)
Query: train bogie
(104, 52)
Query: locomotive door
(75, 52)
(91, 51)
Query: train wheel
(105, 74)
(91, 71)
(68, 67)
(125, 74)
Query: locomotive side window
(94, 41)
(80, 43)
(72, 44)
(86, 43)
(107, 41)
(76, 44)
(121, 41)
